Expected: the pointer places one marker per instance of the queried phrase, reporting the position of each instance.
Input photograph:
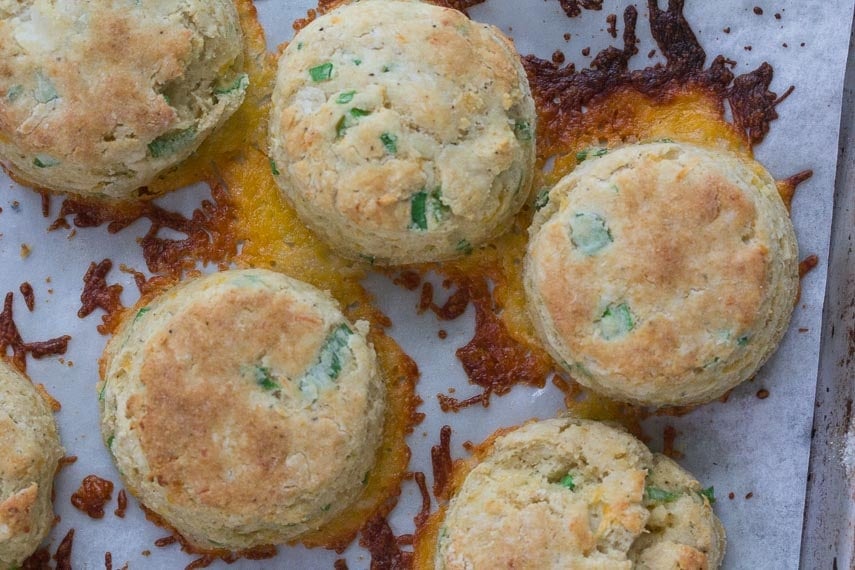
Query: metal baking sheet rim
(828, 539)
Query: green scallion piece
(240, 83)
(582, 155)
(345, 97)
(264, 378)
(418, 211)
(273, 168)
(659, 495)
(522, 130)
(616, 321)
(542, 199)
(340, 127)
(45, 91)
(424, 206)
(589, 233)
(14, 92)
(567, 481)
(463, 246)
(44, 161)
(390, 142)
(348, 120)
(171, 143)
(709, 493)
(328, 367)
(322, 72)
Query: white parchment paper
(746, 445)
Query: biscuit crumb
(26, 250)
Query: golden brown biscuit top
(381, 101)
(225, 420)
(77, 77)
(650, 263)
(29, 451)
(568, 493)
(548, 495)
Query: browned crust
(380, 494)
(393, 456)
(426, 536)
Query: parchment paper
(746, 445)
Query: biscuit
(569, 493)
(242, 408)
(402, 132)
(97, 98)
(662, 274)
(30, 451)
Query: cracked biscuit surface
(97, 98)
(242, 408)
(402, 132)
(30, 451)
(568, 493)
(662, 274)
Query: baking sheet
(829, 536)
(746, 445)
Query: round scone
(242, 408)
(97, 98)
(402, 132)
(29, 455)
(662, 274)
(570, 493)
